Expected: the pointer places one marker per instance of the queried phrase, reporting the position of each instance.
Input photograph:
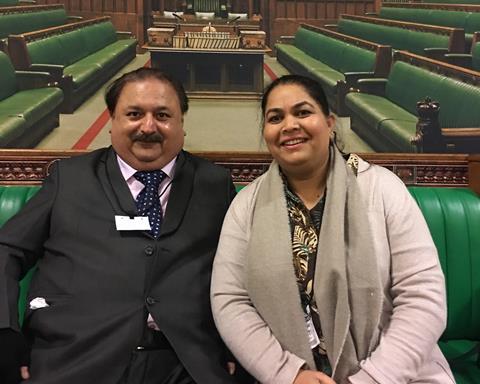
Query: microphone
(177, 16)
(233, 20)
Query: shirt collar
(128, 171)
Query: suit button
(150, 300)
(148, 250)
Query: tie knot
(150, 178)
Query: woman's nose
(290, 123)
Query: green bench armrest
(56, 70)
(460, 59)
(435, 53)
(32, 79)
(374, 86)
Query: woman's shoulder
(377, 176)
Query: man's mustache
(147, 138)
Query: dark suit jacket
(100, 283)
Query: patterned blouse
(305, 227)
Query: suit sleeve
(240, 325)
(21, 245)
(417, 289)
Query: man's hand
(312, 377)
(14, 357)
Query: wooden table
(207, 73)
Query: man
(121, 292)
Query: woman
(326, 271)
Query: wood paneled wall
(280, 17)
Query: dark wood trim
(30, 167)
(29, 8)
(436, 6)
(474, 173)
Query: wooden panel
(30, 167)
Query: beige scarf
(347, 283)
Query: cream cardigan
(414, 310)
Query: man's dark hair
(114, 90)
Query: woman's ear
(331, 122)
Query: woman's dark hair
(312, 87)
(141, 74)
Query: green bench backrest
(398, 38)
(12, 198)
(453, 217)
(459, 101)
(472, 23)
(335, 53)
(67, 48)
(405, 14)
(20, 22)
(8, 81)
(4, 3)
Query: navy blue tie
(148, 201)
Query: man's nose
(149, 123)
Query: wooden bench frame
(435, 6)
(456, 35)
(31, 166)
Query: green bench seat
(17, 20)
(334, 60)
(27, 114)
(387, 118)
(81, 57)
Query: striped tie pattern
(148, 201)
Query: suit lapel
(114, 185)
(180, 194)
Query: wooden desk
(209, 73)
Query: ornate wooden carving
(30, 167)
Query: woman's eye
(304, 112)
(274, 119)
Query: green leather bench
(422, 39)
(80, 56)
(335, 60)
(20, 19)
(453, 216)
(384, 111)
(29, 106)
(465, 16)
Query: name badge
(136, 223)
(313, 338)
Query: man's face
(147, 124)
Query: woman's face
(296, 130)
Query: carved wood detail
(30, 167)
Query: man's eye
(162, 115)
(133, 114)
